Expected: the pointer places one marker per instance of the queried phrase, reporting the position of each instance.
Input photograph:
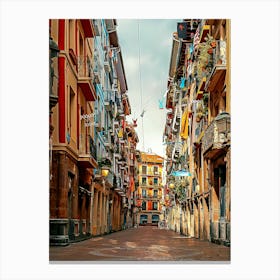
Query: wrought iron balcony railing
(85, 67)
(92, 148)
(217, 134)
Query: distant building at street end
(149, 193)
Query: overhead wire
(140, 86)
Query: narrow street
(147, 243)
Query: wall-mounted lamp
(104, 172)
(171, 186)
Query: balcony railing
(151, 173)
(219, 65)
(85, 68)
(217, 134)
(219, 53)
(92, 148)
(199, 131)
(97, 70)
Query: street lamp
(104, 171)
(171, 186)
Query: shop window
(155, 219)
(143, 219)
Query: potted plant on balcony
(199, 116)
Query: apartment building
(72, 160)
(197, 131)
(88, 179)
(150, 191)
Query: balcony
(89, 158)
(88, 27)
(106, 139)
(85, 78)
(203, 33)
(108, 103)
(97, 121)
(107, 66)
(110, 180)
(155, 197)
(97, 27)
(217, 136)
(96, 69)
(219, 66)
(201, 87)
(199, 132)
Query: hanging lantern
(171, 186)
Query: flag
(182, 30)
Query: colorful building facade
(197, 131)
(150, 190)
(88, 180)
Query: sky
(146, 48)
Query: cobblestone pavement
(141, 244)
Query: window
(144, 181)
(143, 219)
(156, 193)
(156, 170)
(144, 193)
(71, 112)
(155, 219)
(155, 206)
(155, 181)
(144, 169)
(144, 205)
(72, 34)
(70, 193)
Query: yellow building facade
(149, 194)
(197, 131)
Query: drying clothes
(161, 104)
(185, 125)
(182, 82)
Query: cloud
(155, 48)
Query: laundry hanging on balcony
(161, 106)
(185, 125)
(120, 133)
(182, 84)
